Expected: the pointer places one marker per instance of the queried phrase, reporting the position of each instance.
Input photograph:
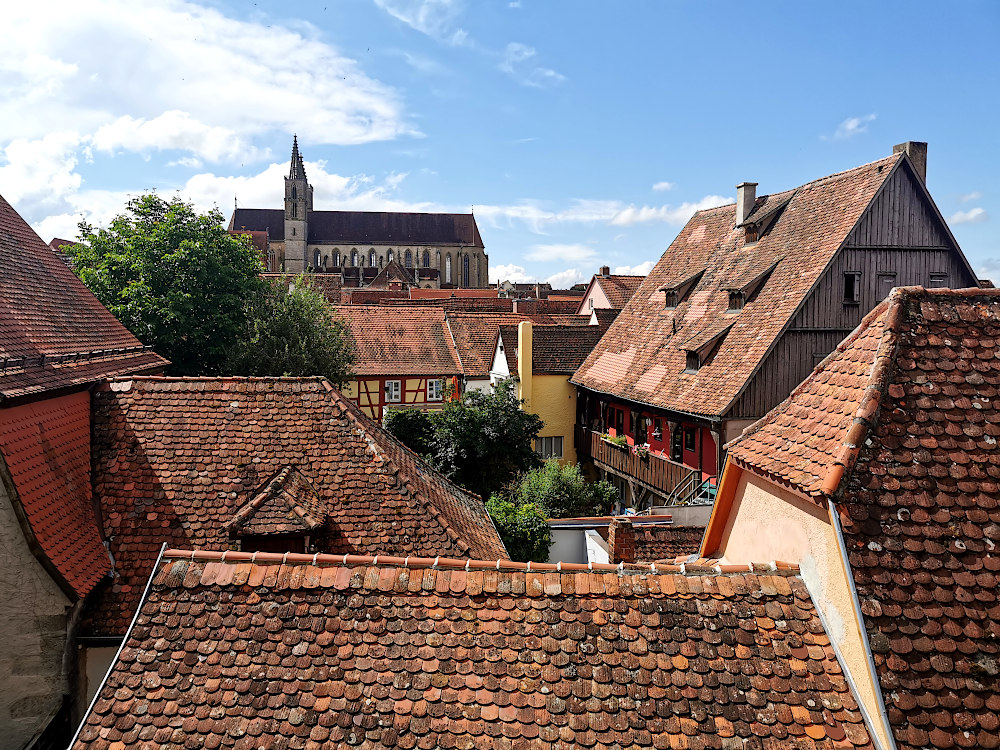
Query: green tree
(412, 427)
(522, 528)
(175, 278)
(483, 441)
(563, 492)
(292, 331)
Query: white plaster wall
(567, 546)
(33, 620)
(767, 523)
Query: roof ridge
(217, 378)
(700, 566)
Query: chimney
(621, 540)
(917, 151)
(524, 364)
(605, 271)
(746, 196)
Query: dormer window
(671, 299)
(693, 363)
(736, 301)
(701, 348)
(678, 289)
(751, 235)
(747, 287)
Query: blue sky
(583, 133)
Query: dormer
(761, 215)
(280, 516)
(700, 349)
(677, 290)
(746, 287)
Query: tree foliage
(563, 492)
(412, 427)
(292, 331)
(175, 278)
(522, 528)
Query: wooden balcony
(656, 473)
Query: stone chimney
(605, 271)
(917, 151)
(746, 196)
(621, 540)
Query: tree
(563, 492)
(175, 278)
(522, 528)
(292, 331)
(412, 427)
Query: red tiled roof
(54, 333)
(175, 459)
(469, 304)
(456, 293)
(475, 336)
(46, 446)
(400, 341)
(906, 425)
(392, 272)
(642, 356)
(619, 289)
(460, 653)
(664, 542)
(369, 296)
(560, 350)
(287, 503)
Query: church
(442, 251)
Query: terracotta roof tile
(472, 654)
(54, 333)
(901, 424)
(661, 542)
(285, 503)
(642, 358)
(175, 459)
(561, 349)
(619, 289)
(46, 447)
(399, 341)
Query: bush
(563, 492)
(412, 427)
(522, 528)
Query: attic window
(752, 234)
(938, 280)
(701, 349)
(671, 299)
(746, 288)
(678, 289)
(693, 363)
(852, 287)
(736, 301)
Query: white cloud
(223, 74)
(669, 214)
(518, 62)
(641, 269)
(566, 253)
(173, 130)
(509, 272)
(972, 216)
(40, 174)
(566, 279)
(853, 126)
(973, 196)
(661, 186)
(435, 18)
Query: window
(752, 234)
(371, 258)
(295, 212)
(852, 287)
(657, 430)
(393, 391)
(316, 258)
(591, 300)
(427, 259)
(689, 433)
(408, 259)
(939, 280)
(389, 256)
(465, 271)
(549, 447)
(736, 301)
(693, 362)
(671, 299)
(295, 193)
(354, 257)
(435, 389)
(447, 270)
(336, 259)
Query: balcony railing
(661, 475)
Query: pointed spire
(297, 171)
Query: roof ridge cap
(697, 567)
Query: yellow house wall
(554, 400)
(767, 522)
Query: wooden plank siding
(898, 241)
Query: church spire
(297, 171)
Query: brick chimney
(605, 271)
(746, 196)
(917, 151)
(621, 540)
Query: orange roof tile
(46, 447)
(401, 341)
(387, 653)
(901, 426)
(619, 289)
(175, 459)
(54, 333)
(642, 357)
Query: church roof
(366, 227)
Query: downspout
(859, 618)
(121, 647)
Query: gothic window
(478, 282)
(408, 259)
(354, 257)
(447, 269)
(465, 270)
(389, 257)
(437, 259)
(427, 259)
(336, 259)
(295, 212)
(381, 261)
(316, 259)
(371, 258)
(326, 261)
(295, 193)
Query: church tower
(298, 204)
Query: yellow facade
(551, 397)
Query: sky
(580, 133)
